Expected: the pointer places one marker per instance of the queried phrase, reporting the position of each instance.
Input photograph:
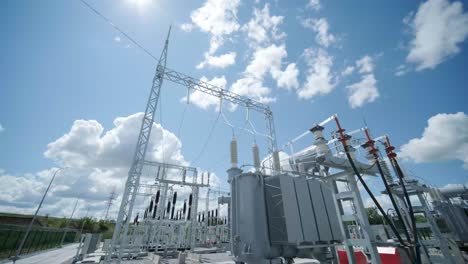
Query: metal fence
(40, 238)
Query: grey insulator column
(256, 157)
(233, 152)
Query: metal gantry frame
(205, 87)
(119, 238)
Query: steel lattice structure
(119, 238)
(196, 84)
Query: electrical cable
(392, 199)
(396, 167)
(373, 152)
(226, 121)
(118, 29)
(369, 192)
(181, 120)
(210, 134)
(397, 210)
(400, 175)
(254, 131)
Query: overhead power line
(118, 29)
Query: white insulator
(320, 142)
(318, 134)
(233, 149)
(256, 157)
(322, 148)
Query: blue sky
(60, 62)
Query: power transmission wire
(210, 134)
(182, 120)
(118, 29)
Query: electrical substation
(305, 207)
(306, 201)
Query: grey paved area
(53, 256)
(219, 258)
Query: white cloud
(444, 138)
(263, 28)
(221, 61)
(438, 28)
(268, 52)
(383, 200)
(253, 88)
(203, 100)
(187, 27)
(85, 145)
(365, 64)
(288, 78)
(117, 39)
(320, 77)
(99, 160)
(347, 71)
(1, 128)
(20, 190)
(401, 70)
(314, 4)
(321, 27)
(266, 60)
(21, 193)
(265, 41)
(364, 91)
(219, 19)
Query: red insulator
(373, 151)
(390, 148)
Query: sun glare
(140, 3)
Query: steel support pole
(18, 251)
(68, 223)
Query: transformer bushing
(320, 142)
